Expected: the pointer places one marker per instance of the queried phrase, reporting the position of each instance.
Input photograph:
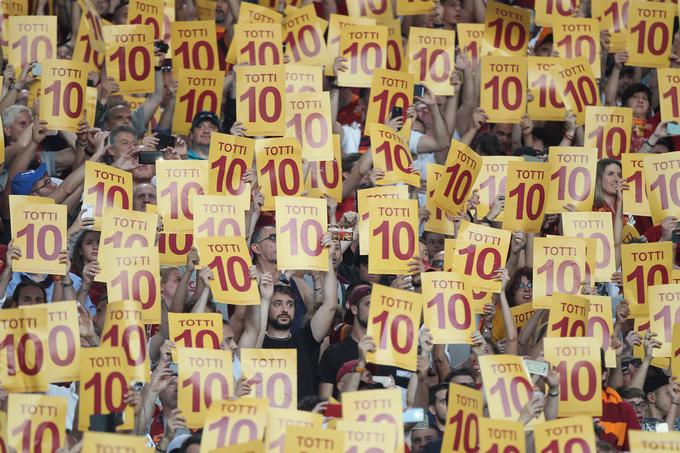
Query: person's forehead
(31, 291)
(145, 189)
(206, 123)
(282, 297)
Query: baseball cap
(206, 116)
(348, 366)
(22, 184)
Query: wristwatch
(554, 394)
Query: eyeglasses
(271, 237)
(438, 263)
(523, 285)
(641, 405)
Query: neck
(264, 265)
(655, 412)
(611, 200)
(203, 150)
(280, 334)
(358, 331)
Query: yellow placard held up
(414, 7)
(507, 29)
(230, 157)
(507, 385)
(217, 215)
(252, 12)
(393, 235)
(38, 422)
(395, 48)
(365, 48)
(547, 103)
(380, 10)
(258, 44)
(470, 41)
(568, 316)
(393, 321)
(520, 313)
(272, 375)
(572, 176)
(173, 248)
(675, 350)
(613, 16)
(178, 182)
(278, 421)
(430, 54)
(650, 34)
(105, 378)
(609, 129)
(301, 223)
(662, 181)
(549, 11)
(576, 84)
(644, 265)
(447, 307)
(147, 12)
(129, 57)
(260, 92)
(233, 422)
(389, 89)
(595, 225)
(664, 312)
(303, 79)
(205, 9)
(96, 441)
(480, 252)
(106, 187)
(577, 360)
(299, 439)
(438, 222)
(391, 153)
(31, 38)
(501, 435)
(195, 330)
(325, 177)
(464, 410)
(194, 45)
(503, 96)
(40, 233)
(197, 91)
(364, 198)
(526, 187)
(669, 97)
(578, 37)
(559, 267)
(635, 198)
(363, 437)
(206, 378)
(600, 325)
(641, 326)
(563, 433)
(383, 406)
(462, 167)
(124, 328)
(648, 441)
(62, 357)
(279, 169)
(229, 259)
(23, 333)
(63, 86)
(491, 182)
(335, 25)
(7, 9)
(308, 120)
(303, 38)
(123, 228)
(90, 42)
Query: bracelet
(674, 403)
(486, 220)
(551, 394)
(570, 138)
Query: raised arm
(323, 318)
(253, 321)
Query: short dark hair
(487, 144)
(462, 371)
(633, 90)
(432, 398)
(632, 392)
(195, 439)
(308, 403)
(119, 130)
(514, 283)
(27, 284)
(282, 289)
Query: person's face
(361, 310)
(452, 12)
(266, 247)
(625, 81)
(168, 396)
(640, 407)
(440, 406)
(639, 102)
(464, 379)
(100, 317)
(228, 342)
(64, 53)
(364, 276)
(44, 186)
(421, 437)
(544, 50)
(102, 6)
(18, 126)
(90, 246)
(120, 116)
(281, 311)
(661, 400)
(438, 261)
(200, 135)
(30, 295)
(424, 254)
(336, 250)
(504, 134)
(221, 11)
(424, 114)
(144, 194)
(435, 243)
(170, 284)
(121, 16)
(610, 179)
(124, 143)
(523, 292)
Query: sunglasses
(523, 285)
(271, 237)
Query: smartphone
(673, 129)
(166, 141)
(418, 90)
(87, 214)
(333, 410)
(174, 368)
(414, 415)
(138, 386)
(676, 234)
(90, 83)
(536, 367)
(397, 112)
(149, 157)
(37, 70)
(161, 46)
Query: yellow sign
(470, 41)
(491, 182)
(389, 89)
(195, 330)
(609, 129)
(279, 169)
(393, 240)
(507, 385)
(229, 259)
(566, 434)
(147, 12)
(559, 267)
(507, 29)
(217, 215)
(641, 326)
(480, 252)
(96, 441)
(577, 360)
(90, 43)
(124, 328)
(395, 48)
(308, 120)
(462, 167)
(613, 16)
(662, 181)
(123, 228)
(503, 97)
(501, 435)
(568, 316)
(300, 225)
(363, 437)
(251, 12)
(272, 375)
(197, 91)
(576, 84)
(335, 25)
(549, 11)
(303, 38)
(464, 410)
(393, 321)
(278, 421)
(520, 313)
(391, 153)
(381, 10)
(653, 441)
(414, 7)
(230, 157)
(431, 58)
(31, 38)
(644, 265)
(105, 378)
(302, 439)
(40, 233)
(129, 57)
(258, 44)
(23, 335)
(173, 247)
(178, 182)
(378, 406)
(669, 81)
(547, 103)
(303, 79)
(526, 187)
(365, 48)
(635, 198)
(7, 9)
(595, 225)
(447, 307)
(194, 45)
(233, 422)
(363, 201)
(38, 422)
(600, 325)
(62, 360)
(260, 92)
(675, 350)
(664, 312)
(63, 84)
(325, 177)
(572, 176)
(106, 187)
(576, 38)
(438, 221)
(205, 376)
(651, 34)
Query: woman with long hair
(609, 187)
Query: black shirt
(307, 358)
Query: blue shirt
(191, 155)
(77, 281)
